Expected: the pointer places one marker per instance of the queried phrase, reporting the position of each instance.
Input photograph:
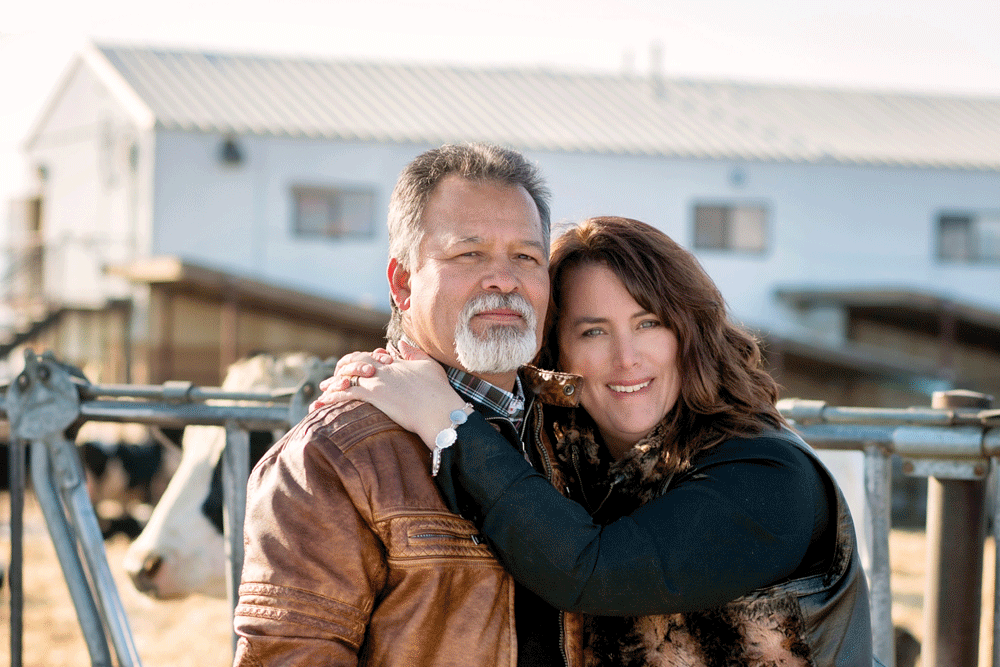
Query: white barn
(192, 206)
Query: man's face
(482, 253)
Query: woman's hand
(353, 364)
(391, 386)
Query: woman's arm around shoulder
(740, 521)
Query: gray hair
(416, 184)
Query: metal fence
(954, 443)
(47, 400)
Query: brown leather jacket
(352, 556)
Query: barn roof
(547, 110)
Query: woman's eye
(590, 333)
(648, 324)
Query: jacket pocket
(435, 536)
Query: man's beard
(500, 348)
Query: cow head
(182, 549)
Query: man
(352, 556)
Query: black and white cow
(182, 550)
(128, 467)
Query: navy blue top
(749, 513)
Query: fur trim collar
(643, 474)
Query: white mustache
(491, 301)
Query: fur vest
(816, 621)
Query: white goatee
(500, 348)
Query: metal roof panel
(538, 109)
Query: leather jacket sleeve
(352, 557)
(698, 546)
(299, 603)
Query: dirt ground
(197, 631)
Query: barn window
(969, 237)
(741, 227)
(334, 212)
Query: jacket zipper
(476, 539)
(574, 455)
(611, 488)
(562, 637)
(561, 620)
(538, 445)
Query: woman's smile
(626, 388)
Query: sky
(908, 45)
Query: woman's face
(627, 357)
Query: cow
(182, 549)
(128, 467)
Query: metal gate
(48, 398)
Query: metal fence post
(64, 540)
(955, 533)
(991, 443)
(235, 470)
(15, 576)
(878, 489)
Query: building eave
(889, 297)
(216, 283)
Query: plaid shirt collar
(494, 399)
(479, 392)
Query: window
(969, 237)
(34, 217)
(730, 227)
(334, 212)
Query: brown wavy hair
(725, 391)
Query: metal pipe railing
(878, 496)
(15, 577)
(953, 445)
(48, 399)
(64, 541)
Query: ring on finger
(354, 380)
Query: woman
(698, 530)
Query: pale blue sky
(920, 45)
